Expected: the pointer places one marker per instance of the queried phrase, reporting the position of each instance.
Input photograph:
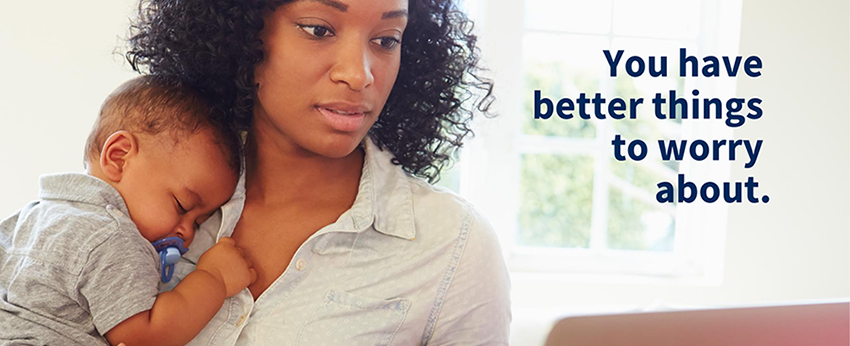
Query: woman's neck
(279, 171)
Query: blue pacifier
(170, 249)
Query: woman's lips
(343, 120)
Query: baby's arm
(180, 314)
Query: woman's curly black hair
(214, 45)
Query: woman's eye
(316, 30)
(387, 42)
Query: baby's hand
(228, 263)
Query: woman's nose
(352, 66)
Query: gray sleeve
(120, 279)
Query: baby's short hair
(153, 105)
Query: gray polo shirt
(72, 265)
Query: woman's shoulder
(438, 201)
(477, 258)
(440, 210)
(437, 197)
(433, 212)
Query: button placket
(116, 211)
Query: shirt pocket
(347, 319)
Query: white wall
(57, 67)
(803, 232)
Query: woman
(344, 102)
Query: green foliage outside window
(556, 80)
(556, 201)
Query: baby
(78, 264)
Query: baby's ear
(120, 147)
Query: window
(552, 188)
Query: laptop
(823, 324)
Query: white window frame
(490, 173)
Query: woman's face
(327, 70)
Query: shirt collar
(384, 199)
(78, 187)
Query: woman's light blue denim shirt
(408, 264)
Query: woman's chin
(337, 145)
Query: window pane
(635, 225)
(580, 16)
(647, 126)
(657, 18)
(644, 176)
(635, 220)
(555, 200)
(561, 66)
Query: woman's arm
(477, 309)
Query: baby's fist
(228, 263)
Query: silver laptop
(824, 324)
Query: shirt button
(240, 321)
(118, 212)
(300, 264)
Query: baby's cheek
(155, 228)
(146, 232)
